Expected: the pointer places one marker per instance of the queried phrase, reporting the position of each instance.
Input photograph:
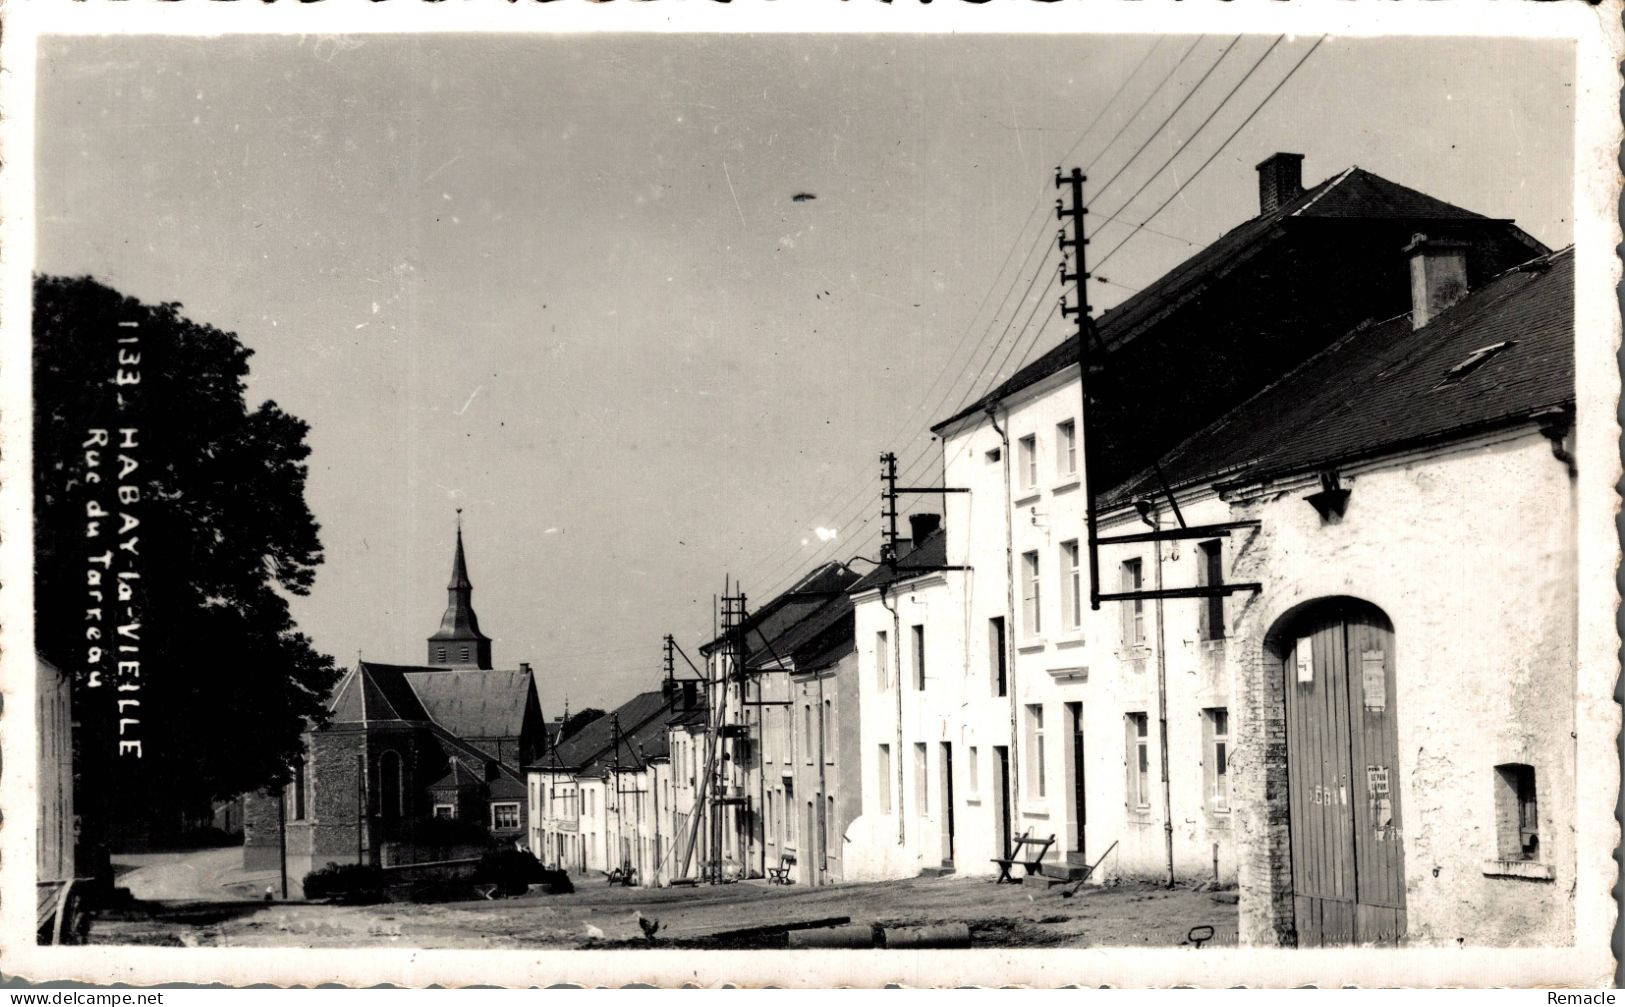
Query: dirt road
(749, 915)
(180, 875)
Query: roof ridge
(1325, 187)
(395, 714)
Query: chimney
(922, 525)
(524, 666)
(1438, 276)
(1280, 180)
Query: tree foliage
(225, 536)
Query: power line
(1161, 84)
(1198, 131)
(1194, 175)
(1164, 123)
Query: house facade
(603, 796)
(1152, 737)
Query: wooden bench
(780, 875)
(1020, 853)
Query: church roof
(375, 692)
(469, 704)
(473, 704)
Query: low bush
(345, 883)
(511, 871)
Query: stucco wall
(1470, 553)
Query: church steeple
(459, 643)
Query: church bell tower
(459, 644)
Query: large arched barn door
(1348, 867)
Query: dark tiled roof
(1383, 387)
(931, 555)
(475, 704)
(459, 775)
(770, 622)
(642, 713)
(375, 692)
(1355, 194)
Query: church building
(404, 746)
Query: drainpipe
(1009, 620)
(1162, 706)
(897, 670)
(823, 793)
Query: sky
(566, 284)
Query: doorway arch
(1335, 657)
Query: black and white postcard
(1008, 494)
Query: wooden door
(1001, 797)
(1348, 873)
(1080, 804)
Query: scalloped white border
(1598, 37)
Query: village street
(176, 911)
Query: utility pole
(1081, 311)
(1162, 708)
(282, 837)
(667, 665)
(888, 507)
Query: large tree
(225, 535)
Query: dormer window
(1476, 359)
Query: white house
(1145, 735)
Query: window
(882, 660)
(996, 656)
(299, 789)
(1139, 762)
(445, 811)
(1133, 609)
(1210, 573)
(1516, 813)
(505, 815)
(807, 735)
(829, 824)
(789, 811)
(1066, 448)
(440, 654)
(994, 455)
(884, 767)
(1035, 749)
(465, 653)
(829, 731)
(919, 657)
(1216, 751)
(1027, 461)
(1071, 605)
(974, 771)
(922, 800)
(1033, 621)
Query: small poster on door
(1306, 660)
(1374, 680)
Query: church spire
(459, 643)
(459, 566)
